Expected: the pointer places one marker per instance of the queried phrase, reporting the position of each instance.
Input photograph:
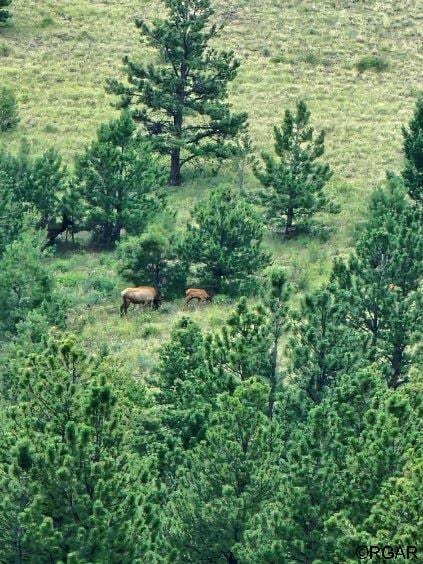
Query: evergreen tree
(153, 259)
(333, 465)
(390, 434)
(276, 297)
(228, 478)
(185, 398)
(248, 343)
(29, 337)
(321, 347)
(120, 181)
(180, 99)
(241, 350)
(11, 215)
(395, 518)
(41, 183)
(384, 454)
(16, 170)
(413, 151)
(45, 186)
(224, 242)
(379, 284)
(294, 181)
(25, 282)
(71, 488)
(186, 388)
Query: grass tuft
(5, 50)
(48, 21)
(373, 62)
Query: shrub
(93, 298)
(223, 300)
(72, 278)
(372, 62)
(153, 259)
(5, 50)
(150, 330)
(278, 59)
(9, 117)
(100, 284)
(46, 22)
(310, 58)
(51, 128)
(62, 266)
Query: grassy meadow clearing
(57, 54)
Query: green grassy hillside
(59, 53)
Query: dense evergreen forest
(210, 282)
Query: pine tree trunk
(53, 231)
(157, 276)
(175, 168)
(178, 119)
(18, 546)
(273, 377)
(116, 233)
(242, 175)
(396, 363)
(107, 235)
(289, 221)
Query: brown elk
(145, 295)
(197, 294)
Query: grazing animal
(146, 295)
(197, 294)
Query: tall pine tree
(181, 98)
(227, 479)
(71, 488)
(333, 464)
(276, 297)
(241, 349)
(120, 181)
(185, 395)
(321, 346)
(294, 181)
(379, 285)
(224, 242)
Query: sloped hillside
(59, 53)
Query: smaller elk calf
(197, 294)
